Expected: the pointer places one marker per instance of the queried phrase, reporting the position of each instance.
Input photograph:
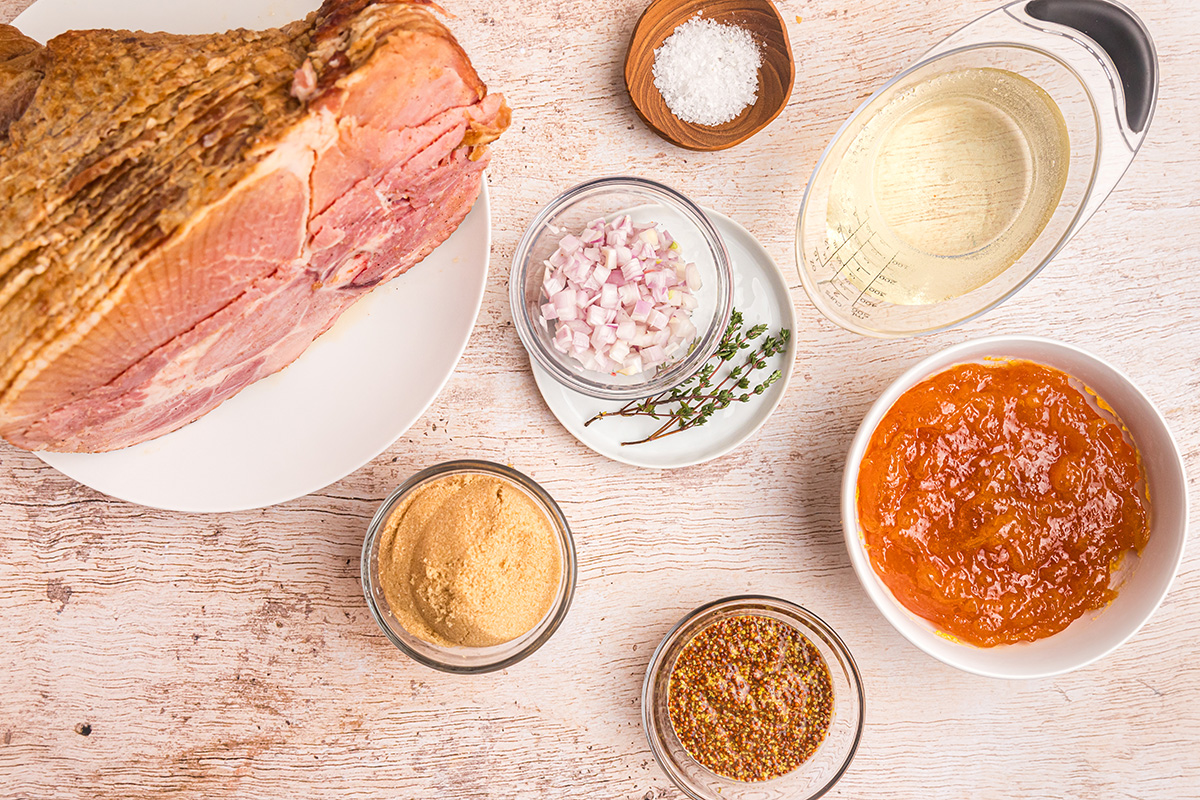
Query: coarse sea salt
(707, 72)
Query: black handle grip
(1122, 37)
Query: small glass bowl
(645, 201)
(468, 660)
(811, 779)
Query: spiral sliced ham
(183, 215)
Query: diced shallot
(619, 297)
(569, 244)
(628, 294)
(683, 328)
(609, 296)
(564, 303)
(592, 235)
(554, 283)
(610, 258)
(595, 316)
(563, 338)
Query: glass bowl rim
(680, 370)
(747, 601)
(562, 601)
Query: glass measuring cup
(1084, 71)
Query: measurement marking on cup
(878, 275)
(847, 240)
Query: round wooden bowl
(775, 77)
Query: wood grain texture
(776, 76)
(232, 655)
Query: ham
(183, 215)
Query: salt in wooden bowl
(775, 77)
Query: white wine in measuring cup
(959, 179)
(947, 185)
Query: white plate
(760, 292)
(351, 394)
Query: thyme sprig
(717, 385)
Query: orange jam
(996, 502)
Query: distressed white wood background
(232, 655)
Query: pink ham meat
(182, 215)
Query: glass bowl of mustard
(753, 696)
(468, 567)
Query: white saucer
(761, 294)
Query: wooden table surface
(147, 654)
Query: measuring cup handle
(1123, 38)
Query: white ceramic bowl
(1097, 633)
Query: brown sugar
(469, 560)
